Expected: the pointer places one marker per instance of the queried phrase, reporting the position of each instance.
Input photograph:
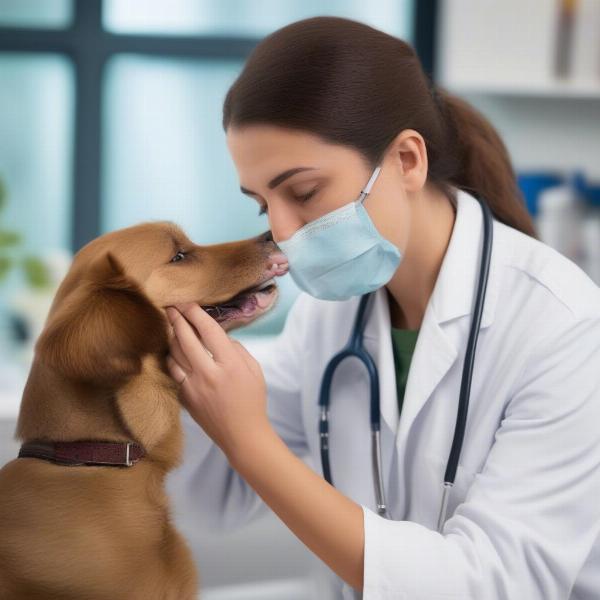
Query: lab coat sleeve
(531, 516)
(204, 487)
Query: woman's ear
(102, 329)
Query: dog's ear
(102, 329)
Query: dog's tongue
(250, 302)
(245, 303)
(262, 299)
(248, 305)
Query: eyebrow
(279, 179)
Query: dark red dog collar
(84, 453)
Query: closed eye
(308, 196)
(265, 209)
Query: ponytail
(355, 85)
(483, 166)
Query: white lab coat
(524, 512)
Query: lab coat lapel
(432, 358)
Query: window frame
(89, 47)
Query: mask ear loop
(365, 192)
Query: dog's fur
(99, 373)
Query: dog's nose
(277, 263)
(267, 236)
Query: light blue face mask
(341, 254)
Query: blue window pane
(36, 13)
(248, 17)
(36, 129)
(165, 157)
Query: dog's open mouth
(247, 304)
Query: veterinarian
(324, 109)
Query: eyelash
(305, 198)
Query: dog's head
(110, 309)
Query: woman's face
(279, 167)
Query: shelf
(551, 89)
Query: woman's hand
(224, 393)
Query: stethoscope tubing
(467, 373)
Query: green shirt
(403, 343)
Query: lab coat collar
(453, 297)
(454, 292)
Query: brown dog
(73, 530)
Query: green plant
(35, 271)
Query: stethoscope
(355, 348)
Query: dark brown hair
(355, 85)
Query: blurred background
(110, 114)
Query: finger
(175, 340)
(175, 370)
(213, 336)
(178, 354)
(181, 378)
(191, 346)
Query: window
(255, 18)
(86, 148)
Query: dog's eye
(179, 256)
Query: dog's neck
(145, 409)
